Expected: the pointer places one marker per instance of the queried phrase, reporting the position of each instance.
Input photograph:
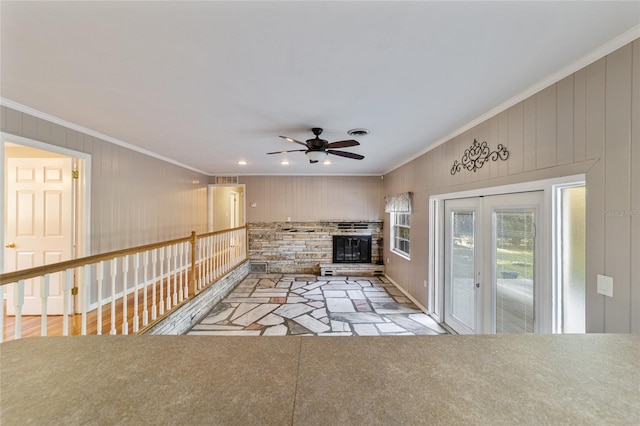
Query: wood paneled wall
(313, 198)
(586, 123)
(135, 199)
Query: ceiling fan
(317, 149)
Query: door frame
(81, 236)
(242, 203)
(435, 273)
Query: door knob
(10, 245)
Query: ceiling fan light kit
(315, 156)
(317, 149)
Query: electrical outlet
(425, 283)
(605, 285)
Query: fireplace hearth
(352, 249)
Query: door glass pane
(514, 243)
(462, 268)
(572, 252)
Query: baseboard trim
(408, 296)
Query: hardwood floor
(32, 325)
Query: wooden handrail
(11, 277)
(210, 234)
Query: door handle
(10, 245)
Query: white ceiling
(206, 84)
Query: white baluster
(230, 249)
(125, 320)
(2, 313)
(219, 255)
(114, 265)
(204, 261)
(234, 247)
(184, 291)
(145, 309)
(227, 250)
(214, 257)
(184, 249)
(84, 298)
(161, 281)
(136, 284)
(199, 263)
(66, 303)
(154, 312)
(174, 302)
(18, 297)
(168, 301)
(44, 294)
(100, 278)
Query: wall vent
(258, 268)
(226, 179)
(347, 226)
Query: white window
(400, 230)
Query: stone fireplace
(307, 247)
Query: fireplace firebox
(352, 249)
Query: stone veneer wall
(300, 247)
(181, 321)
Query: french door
(493, 263)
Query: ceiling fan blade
(284, 152)
(343, 144)
(346, 154)
(287, 138)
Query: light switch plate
(605, 285)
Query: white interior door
(39, 223)
(493, 264)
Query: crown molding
(599, 53)
(48, 117)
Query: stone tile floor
(304, 305)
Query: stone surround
(301, 247)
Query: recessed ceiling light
(242, 163)
(284, 162)
(326, 162)
(358, 132)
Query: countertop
(207, 380)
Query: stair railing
(120, 292)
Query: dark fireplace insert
(352, 249)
